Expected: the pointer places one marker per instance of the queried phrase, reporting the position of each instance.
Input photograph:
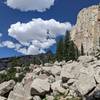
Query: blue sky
(54, 16)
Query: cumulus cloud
(30, 5)
(10, 44)
(35, 36)
(22, 50)
(36, 47)
(37, 30)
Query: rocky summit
(72, 80)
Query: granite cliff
(86, 32)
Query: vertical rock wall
(87, 29)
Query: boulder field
(59, 81)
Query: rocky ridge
(77, 80)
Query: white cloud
(22, 50)
(45, 44)
(8, 44)
(48, 43)
(36, 47)
(33, 50)
(37, 30)
(34, 37)
(30, 5)
(17, 46)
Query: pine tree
(66, 49)
(59, 50)
(70, 49)
(66, 46)
(73, 51)
(82, 49)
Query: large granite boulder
(59, 63)
(56, 86)
(6, 87)
(19, 93)
(46, 70)
(37, 71)
(70, 71)
(29, 77)
(85, 83)
(14, 96)
(42, 76)
(56, 70)
(40, 87)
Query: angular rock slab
(40, 87)
(56, 70)
(14, 96)
(19, 93)
(85, 83)
(56, 86)
(46, 70)
(5, 87)
(70, 71)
